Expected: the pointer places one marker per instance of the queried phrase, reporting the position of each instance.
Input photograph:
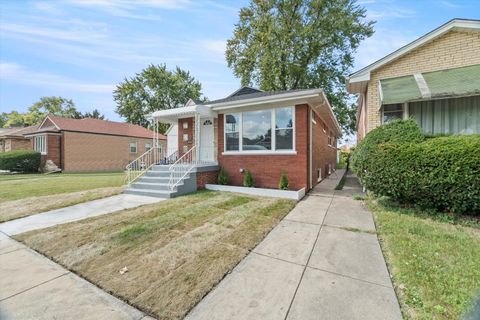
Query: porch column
(197, 137)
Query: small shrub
(21, 160)
(222, 177)
(248, 180)
(283, 184)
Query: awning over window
(457, 82)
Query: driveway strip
(323, 261)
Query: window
(232, 127)
(133, 147)
(284, 129)
(260, 131)
(40, 144)
(392, 112)
(184, 149)
(257, 130)
(185, 137)
(148, 146)
(185, 125)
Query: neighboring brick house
(267, 133)
(12, 139)
(434, 79)
(81, 145)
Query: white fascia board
(286, 97)
(332, 115)
(48, 117)
(364, 74)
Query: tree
(39, 110)
(155, 88)
(95, 114)
(292, 44)
(57, 106)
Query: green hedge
(22, 160)
(441, 173)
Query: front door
(207, 151)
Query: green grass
(435, 261)
(19, 186)
(341, 183)
(176, 251)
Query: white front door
(207, 152)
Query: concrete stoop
(154, 183)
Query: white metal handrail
(182, 167)
(139, 166)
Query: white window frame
(148, 146)
(136, 147)
(40, 144)
(273, 150)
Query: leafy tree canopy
(155, 88)
(39, 110)
(293, 44)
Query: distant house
(77, 145)
(434, 79)
(12, 139)
(266, 133)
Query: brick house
(267, 133)
(434, 79)
(81, 145)
(12, 139)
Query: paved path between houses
(323, 261)
(34, 287)
(75, 212)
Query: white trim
(310, 147)
(48, 117)
(380, 92)
(266, 99)
(364, 74)
(275, 193)
(41, 146)
(260, 153)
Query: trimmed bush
(283, 184)
(21, 160)
(223, 177)
(442, 173)
(406, 131)
(248, 180)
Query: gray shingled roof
(259, 94)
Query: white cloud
(48, 7)
(214, 46)
(16, 73)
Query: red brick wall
(190, 131)
(267, 169)
(203, 178)
(54, 150)
(99, 152)
(323, 154)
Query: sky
(81, 49)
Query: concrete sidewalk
(323, 261)
(76, 212)
(33, 287)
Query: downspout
(310, 148)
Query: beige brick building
(12, 139)
(82, 145)
(434, 79)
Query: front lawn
(19, 186)
(435, 260)
(175, 251)
(15, 209)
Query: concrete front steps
(154, 183)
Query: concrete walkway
(323, 261)
(76, 212)
(34, 287)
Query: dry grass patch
(10, 210)
(176, 251)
